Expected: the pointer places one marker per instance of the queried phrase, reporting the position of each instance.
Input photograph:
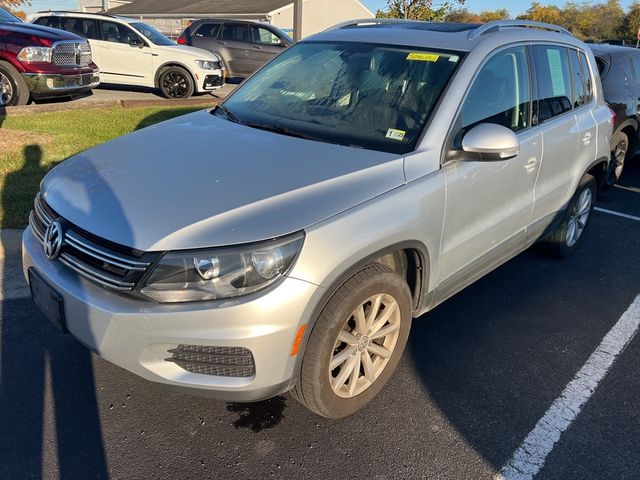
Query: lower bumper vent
(218, 361)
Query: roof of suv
(84, 15)
(450, 36)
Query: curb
(10, 242)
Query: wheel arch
(415, 268)
(173, 63)
(599, 170)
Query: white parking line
(630, 189)
(617, 214)
(529, 458)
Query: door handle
(587, 137)
(532, 165)
(257, 47)
(222, 43)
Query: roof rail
(495, 26)
(368, 22)
(75, 12)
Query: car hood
(31, 29)
(187, 51)
(201, 181)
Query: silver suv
(286, 239)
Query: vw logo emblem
(53, 238)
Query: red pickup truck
(41, 62)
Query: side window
(52, 22)
(579, 93)
(501, 92)
(208, 30)
(554, 81)
(117, 33)
(586, 77)
(84, 28)
(235, 33)
(264, 36)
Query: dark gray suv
(244, 46)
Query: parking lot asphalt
(479, 372)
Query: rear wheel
(176, 83)
(13, 88)
(566, 237)
(356, 343)
(620, 148)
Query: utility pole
(297, 20)
(404, 9)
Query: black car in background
(244, 46)
(620, 73)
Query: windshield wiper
(279, 129)
(227, 113)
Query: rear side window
(579, 94)
(52, 22)
(636, 67)
(501, 92)
(208, 30)
(235, 33)
(586, 77)
(554, 81)
(83, 27)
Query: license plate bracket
(48, 300)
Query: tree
(543, 13)
(631, 23)
(418, 9)
(492, 15)
(12, 4)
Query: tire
(565, 239)
(318, 387)
(175, 83)
(620, 148)
(13, 88)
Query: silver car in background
(286, 239)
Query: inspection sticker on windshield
(394, 134)
(423, 57)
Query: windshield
(376, 97)
(152, 34)
(7, 17)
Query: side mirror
(493, 143)
(136, 42)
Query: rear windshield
(376, 97)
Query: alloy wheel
(365, 345)
(579, 217)
(175, 84)
(619, 155)
(6, 90)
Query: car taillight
(182, 41)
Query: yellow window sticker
(394, 134)
(423, 57)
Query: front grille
(88, 256)
(71, 54)
(218, 361)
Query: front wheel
(13, 88)
(176, 83)
(567, 236)
(356, 343)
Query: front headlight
(208, 64)
(201, 275)
(35, 55)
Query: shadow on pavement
(46, 384)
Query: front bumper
(137, 335)
(42, 84)
(209, 80)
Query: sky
(516, 7)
